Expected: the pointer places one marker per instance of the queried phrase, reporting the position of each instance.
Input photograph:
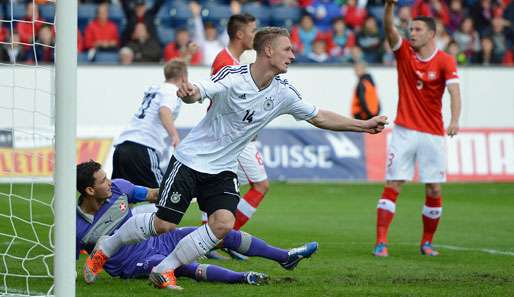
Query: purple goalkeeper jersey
(131, 260)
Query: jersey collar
(254, 84)
(429, 58)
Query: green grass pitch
(475, 238)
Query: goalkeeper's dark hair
(85, 176)
(429, 21)
(174, 69)
(236, 22)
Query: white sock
(136, 229)
(195, 245)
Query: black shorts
(181, 184)
(136, 163)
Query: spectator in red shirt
(3, 34)
(183, 48)
(341, 41)
(80, 42)
(26, 29)
(354, 16)
(433, 8)
(101, 33)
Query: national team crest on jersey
(123, 206)
(175, 197)
(432, 75)
(268, 104)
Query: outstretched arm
(455, 106)
(392, 35)
(329, 120)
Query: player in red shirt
(423, 74)
(241, 29)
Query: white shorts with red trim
(408, 146)
(251, 165)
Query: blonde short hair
(174, 68)
(266, 35)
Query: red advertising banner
(39, 162)
(473, 155)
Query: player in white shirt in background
(151, 132)
(205, 162)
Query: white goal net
(27, 154)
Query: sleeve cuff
(139, 194)
(452, 81)
(312, 114)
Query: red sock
(431, 213)
(247, 207)
(385, 213)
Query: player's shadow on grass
(282, 280)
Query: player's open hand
(453, 129)
(175, 140)
(376, 124)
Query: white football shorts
(408, 146)
(251, 165)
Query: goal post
(38, 91)
(65, 153)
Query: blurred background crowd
(322, 31)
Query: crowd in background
(334, 32)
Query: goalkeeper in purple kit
(103, 206)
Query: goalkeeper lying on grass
(103, 206)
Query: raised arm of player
(189, 93)
(455, 107)
(332, 121)
(392, 35)
(167, 122)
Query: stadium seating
(217, 14)
(47, 12)
(180, 14)
(82, 58)
(18, 11)
(261, 12)
(106, 58)
(285, 16)
(165, 35)
(86, 13)
(116, 15)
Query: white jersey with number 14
(239, 111)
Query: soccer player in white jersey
(204, 164)
(151, 132)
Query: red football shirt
(224, 58)
(421, 86)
